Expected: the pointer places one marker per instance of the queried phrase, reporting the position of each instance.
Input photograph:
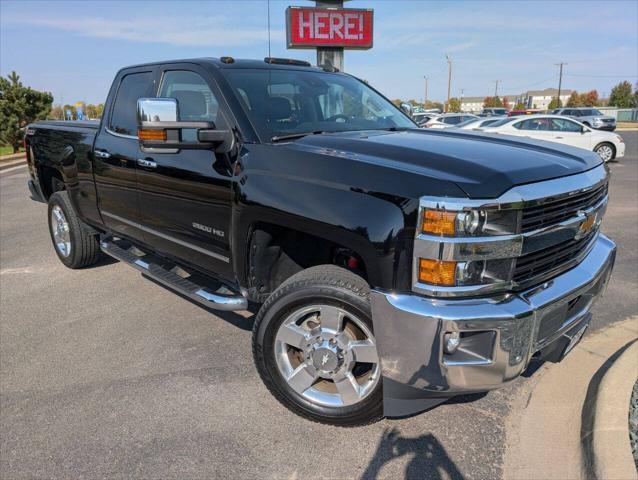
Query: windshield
(498, 123)
(286, 102)
(468, 122)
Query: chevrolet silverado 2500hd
(393, 267)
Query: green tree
(99, 109)
(574, 100)
(454, 105)
(492, 102)
(19, 106)
(520, 106)
(57, 113)
(555, 103)
(621, 95)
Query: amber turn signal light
(437, 272)
(143, 134)
(439, 222)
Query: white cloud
(194, 32)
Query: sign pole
(330, 55)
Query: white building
(541, 98)
(472, 104)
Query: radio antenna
(269, 28)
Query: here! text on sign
(308, 27)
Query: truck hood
(482, 165)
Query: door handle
(559, 138)
(142, 162)
(102, 154)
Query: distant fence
(621, 114)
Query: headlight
(620, 139)
(456, 274)
(597, 120)
(471, 223)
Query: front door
(116, 152)
(185, 197)
(570, 133)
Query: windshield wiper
(292, 136)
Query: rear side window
(196, 102)
(538, 124)
(132, 87)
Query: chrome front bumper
(501, 334)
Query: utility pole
(425, 100)
(449, 81)
(496, 88)
(560, 80)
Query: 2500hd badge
(391, 268)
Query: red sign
(308, 27)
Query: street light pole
(449, 81)
(496, 88)
(425, 100)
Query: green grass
(7, 150)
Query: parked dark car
(391, 267)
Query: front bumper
(500, 335)
(605, 126)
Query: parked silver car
(589, 116)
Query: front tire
(314, 347)
(75, 245)
(606, 151)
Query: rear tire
(322, 369)
(74, 243)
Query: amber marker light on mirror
(437, 272)
(439, 222)
(143, 134)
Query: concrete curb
(5, 165)
(13, 156)
(549, 427)
(611, 448)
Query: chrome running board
(203, 290)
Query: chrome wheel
(327, 355)
(60, 231)
(605, 152)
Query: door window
(561, 125)
(196, 101)
(124, 117)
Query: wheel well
(51, 181)
(276, 253)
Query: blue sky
(74, 48)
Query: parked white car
(555, 128)
(448, 120)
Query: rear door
(116, 152)
(185, 196)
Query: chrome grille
(544, 261)
(557, 209)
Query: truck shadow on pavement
(429, 460)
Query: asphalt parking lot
(106, 374)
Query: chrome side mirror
(153, 110)
(160, 128)
(407, 108)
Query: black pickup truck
(392, 267)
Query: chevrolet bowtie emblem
(586, 226)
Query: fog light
(451, 342)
